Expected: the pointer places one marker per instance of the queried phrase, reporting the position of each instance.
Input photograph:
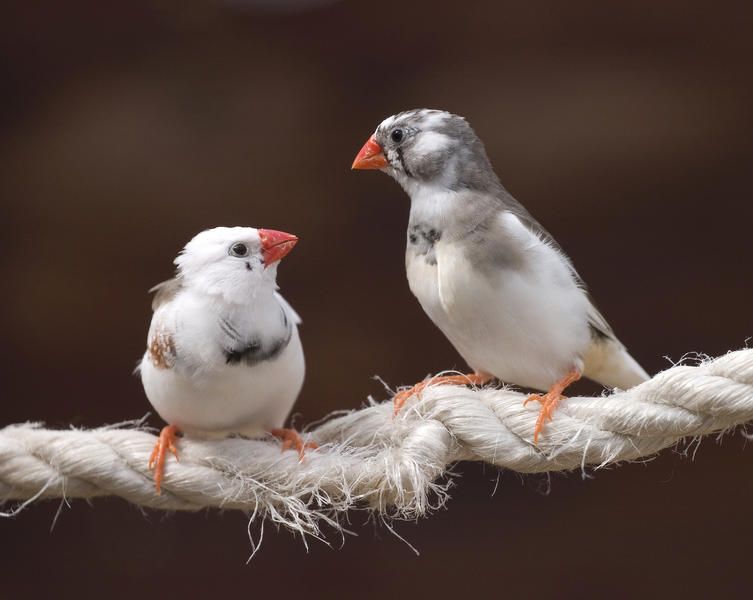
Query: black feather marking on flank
(256, 351)
(236, 355)
(401, 158)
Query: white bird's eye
(238, 249)
(397, 135)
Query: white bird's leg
(476, 378)
(550, 400)
(292, 439)
(165, 442)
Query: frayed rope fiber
(368, 459)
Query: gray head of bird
(425, 147)
(234, 263)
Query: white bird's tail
(608, 363)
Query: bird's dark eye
(240, 250)
(397, 135)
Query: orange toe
(292, 439)
(549, 403)
(402, 396)
(471, 379)
(165, 443)
(550, 400)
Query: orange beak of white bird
(275, 245)
(371, 156)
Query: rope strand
(368, 459)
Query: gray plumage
(165, 291)
(463, 218)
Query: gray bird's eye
(240, 250)
(397, 135)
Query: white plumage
(524, 327)
(205, 396)
(223, 352)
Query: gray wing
(600, 329)
(165, 291)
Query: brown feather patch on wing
(161, 349)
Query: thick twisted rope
(368, 459)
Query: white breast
(524, 326)
(204, 396)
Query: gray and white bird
(223, 352)
(493, 280)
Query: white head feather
(227, 262)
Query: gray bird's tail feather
(609, 364)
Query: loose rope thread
(396, 467)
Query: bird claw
(165, 443)
(549, 401)
(291, 439)
(402, 397)
(534, 398)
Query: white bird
(493, 280)
(223, 352)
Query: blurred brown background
(127, 127)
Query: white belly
(229, 398)
(524, 326)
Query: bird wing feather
(165, 291)
(287, 308)
(596, 321)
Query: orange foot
(165, 442)
(550, 400)
(292, 439)
(470, 379)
